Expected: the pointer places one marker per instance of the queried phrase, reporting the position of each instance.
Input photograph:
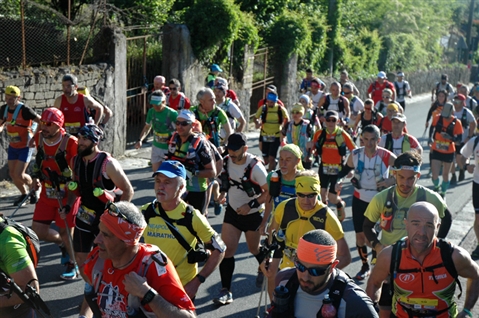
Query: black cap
(444, 76)
(70, 77)
(309, 70)
(236, 141)
(331, 113)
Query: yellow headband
(294, 149)
(315, 253)
(307, 184)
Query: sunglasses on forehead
(113, 210)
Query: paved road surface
(63, 298)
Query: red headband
(124, 230)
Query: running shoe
(373, 261)
(65, 258)
(21, 201)
(475, 253)
(218, 208)
(71, 272)
(363, 273)
(223, 298)
(453, 179)
(341, 211)
(462, 175)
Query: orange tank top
(19, 131)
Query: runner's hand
(243, 210)
(138, 144)
(192, 287)
(64, 211)
(470, 168)
(338, 187)
(136, 284)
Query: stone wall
(107, 81)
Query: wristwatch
(201, 278)
(148, 296)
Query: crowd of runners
(150, 261)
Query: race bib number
(72, 128)
(442, 145)
(14, 137)
(269, 138)
(162, 138)
(86, 215)
(330, 169)
(52, 193)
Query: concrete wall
(40, 86)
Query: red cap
(460, 97)
(53, 115)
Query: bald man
(421, 272)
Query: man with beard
(95, 173)
(55, 148)
(315, 275)
(244, 179)
(424, 270)
(390, 206)
(75, 106)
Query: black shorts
(359, 207)
(403, 104)
(443, 157)
(327, 180)
(244, 223)
(458, 148)
(270, 149)
(197, 200)
(475, 196)
(83, 240)
(386, 299)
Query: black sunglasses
(313, 271)
(347, 93)
(295, 113)
(46, 123)
(173, 88)
(331, 120)
(183, 123)
(309, 196)
(115, 211)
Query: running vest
(317, 219)
(89, 176)
(339, 139)
(210, 125)
(247, 179)
(226, 107)
(185, 152)
(59, 158)
(464, 121)
(76, 114)
(303, 137)
(440, 126)
(335, 292)
(327, 102)
(282, 192)
(372, 121)
(19, 129)
(402, 90)
(406, 143)
(423, 290)
(264, 112)
(181, 103)
(359, 167)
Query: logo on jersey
(406, 278)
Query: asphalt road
(63, 298)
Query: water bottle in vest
(132, 312)
(247, 186)
(73, 187)
(274, 184)
(104, 196)
(328, 310)
(280, 301)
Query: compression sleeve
(446, 223)
(344, 171)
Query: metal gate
(143, 64)
(261, 78)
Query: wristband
(139, 140)
(468, 312)
(148, 296)
(201, 278)
(253, 204)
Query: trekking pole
(56, 184)
(29, 297)
(21, 203)
(263, 289)
(265, 296)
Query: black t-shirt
(27, 112)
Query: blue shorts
(22, 154)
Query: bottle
(73, 187)
(328, 310)
(132, 312)
(67, 173)
(274, 184)
(247, 186)
(103, 195)
(280, 301)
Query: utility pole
(469, 32)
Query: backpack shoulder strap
(446, 255)
(395, 261)
(149, 212)
(97, 177)
(17, 110)
(290, 213)
(389, 142)
(179, 237)
(337, 290)
(187, 221)
(321, 139)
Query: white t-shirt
(470, 119)
(398, 143)
(315, 98)
(404, 88)
(356, 105)
(471, 104)
(446, 87)
(333, 105)
(233, 109)
(467, 151)
(236, 195)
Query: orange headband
(124, 230)
(316, 254)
